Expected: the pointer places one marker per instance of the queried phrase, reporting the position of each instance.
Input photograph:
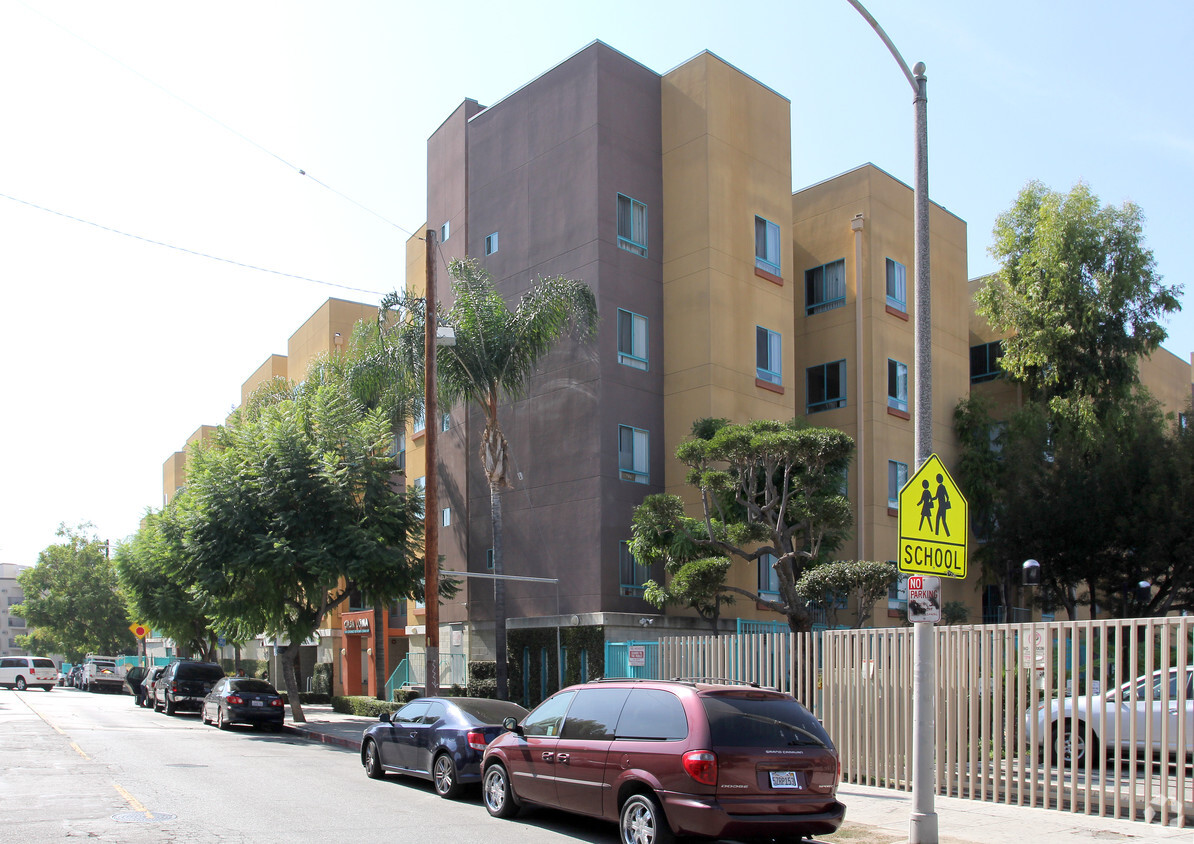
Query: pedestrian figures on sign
(942, 505)
(926, 506)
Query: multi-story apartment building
(11, 625)
(721, 293)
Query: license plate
(784, 779)
(259, 703)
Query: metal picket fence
(997, 687)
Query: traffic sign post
(933, 523)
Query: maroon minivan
(670, 757)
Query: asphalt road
(79, 765)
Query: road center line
(133, 801)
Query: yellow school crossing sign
(933, 523)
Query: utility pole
(923, 826)
(430, 492)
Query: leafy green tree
(865, 581)
(72, 599)
(766, 488)
(377, 373)
(147, 564)
(495, 354)
(1079, 296)
(294, 507)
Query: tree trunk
(379, 648)
(499, 595)
(290, 683)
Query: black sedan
(436, 738)
(243, 700)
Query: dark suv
(667, 758)
(184, 685)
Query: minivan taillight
(701, 765)
(476, 740)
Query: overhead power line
(301, 171)
(191, 251)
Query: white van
(21, 672)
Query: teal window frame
(769, 355)
(897, 285)
(632, 339)
(631, 465)
(630, 574)
(491, 243)
(768, 251)
(768, 581)
(821, 295)
(632, 225)
(820, 379)
(897, 476)
(984, 361)
(897, 385)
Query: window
(489, 559)
(826, 386)
(897, 476)
(897, 285)
(445, 422)
(548, 716)
(447, 517)
(1183, 421)
(419, 423)
(632, 339)
(768, 577)
(984, 361)
(767, 254)
(825, 287)
(491, 243)
(897, 385)
(631, 576)
(594, 714)
(652, 714)
(632, 454)
(400, 451)
(768, 355)
(444, 230)
(419, 483)
(632, 225)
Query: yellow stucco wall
(318, 335)
(275, 366)
(822, 232)
(726, 158)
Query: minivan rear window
(40, 662)
(746, 721)
(653, 715)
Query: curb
(324, 738)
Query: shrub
(322, 678)
(368, 707)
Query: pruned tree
(770, 492)
(862, 581)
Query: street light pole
(923, 823)
(431, 488)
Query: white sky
(122, 348)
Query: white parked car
(1126, 708)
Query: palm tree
(495, 355)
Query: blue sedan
(436, 738)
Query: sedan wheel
(446, 782)
(495, 791)
(373, 762)
(1071, 745)
(220, 722)
(642, 822)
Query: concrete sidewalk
(877, 815)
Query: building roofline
(733, 67)
(885, 173)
